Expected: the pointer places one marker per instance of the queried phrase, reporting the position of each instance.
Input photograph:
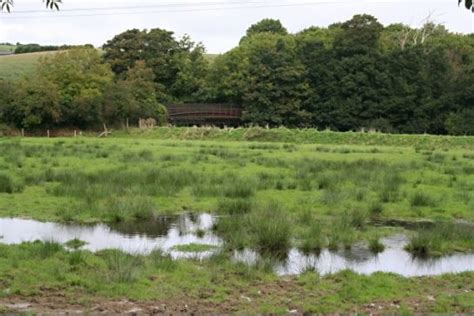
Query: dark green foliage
(352, 75)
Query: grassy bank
(306, 136)
(48, 277)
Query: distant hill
(14, 67)
(7, 48)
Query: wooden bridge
(218, 114)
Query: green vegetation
(15, 67)
(353, 75)
(44, 270)
(194, 248)
(7, 47)
(316, 195)
(322, 190)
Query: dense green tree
(227, 77)
(124, 50)
(177, 65)
(133, 97)
(271, 26)
(7, 96)
(359, 35)
(351, 75)
(81, 78)
(36, 104)
(275, 90)
(193, 67)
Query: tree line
(351, 75)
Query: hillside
(7, 48)
(14, 67)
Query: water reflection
(164, 233)
(360, 260)
(169, 231)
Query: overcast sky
(219, 24)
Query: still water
(167, 232)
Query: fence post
(75, 133)
(47, 132)
(22, 132)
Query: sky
(218, 24)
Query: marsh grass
(77, 258)
(389, 186)
(239, 188)
(271, 229)
(237, 206)
(313, 240)
(162, 261)
(375, 209)
(441, 238)
(75, 243)
(126, 207)
(122, 267)
(46, 249)
(420, 198)
(375, 245)
(10, 185)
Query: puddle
(167, 232)
(164, 233)
(360, 260)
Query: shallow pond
(167, 232)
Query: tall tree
(81, 78)
(275, 90)
(271, 26)
(162, 53)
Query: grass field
(14, 67)
(7, 48)
(275, 189)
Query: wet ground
(167, 232)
